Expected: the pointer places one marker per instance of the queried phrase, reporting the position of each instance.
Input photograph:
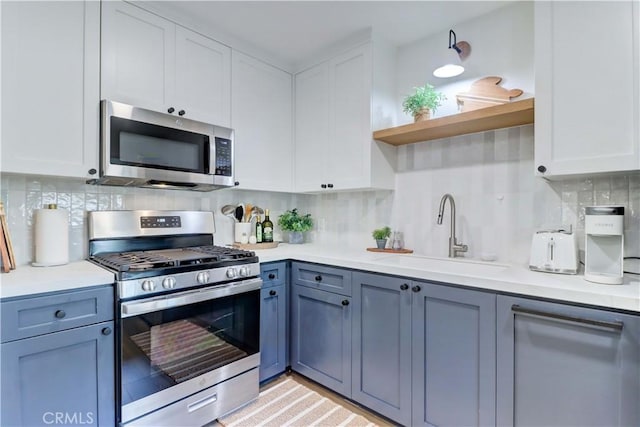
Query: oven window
(164, 348)
(135, 143)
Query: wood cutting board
(485, 92)
(256, 246)
(391, 251)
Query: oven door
(176, 345)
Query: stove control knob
(148, 285)
(203, 277)
(231, 273)
(243, 272)
(169, 283)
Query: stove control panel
(160, 222)
(181, 281)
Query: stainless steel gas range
(187, 314)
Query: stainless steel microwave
(144, 148)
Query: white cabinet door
(349, 162)
(138, 57)
(150, 62)
(203, 78)
(50, 87)
(262, 120)
(587, 87)
(311, 128)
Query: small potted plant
(295, 224)
(422, 102)
(381, 235)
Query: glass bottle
(267, 228)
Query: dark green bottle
(267, 228)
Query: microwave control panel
(224, 157)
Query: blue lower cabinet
(382, 345)
(321, 337)
(560, 365)
(62, 378)
(273, 335)
(423, 354)
(454, 353)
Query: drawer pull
(272, 293)
(272, 276)
(60, 314)
(106, 331)
(416, 288)
(345, 302)
(404, 287)
(616, 326)
(318, 278)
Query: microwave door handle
(134, 308)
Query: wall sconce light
(460, 51)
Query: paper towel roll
(51, 237)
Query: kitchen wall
(499, 201)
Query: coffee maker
(604, 244)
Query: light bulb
(449, 70)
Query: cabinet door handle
(272, 276)
(330, 185)
(345, 302)
(416, 288)
(182, 113)
(616, 326)
(404, 287)
(272, 293)
(318, 278)
(171, 110)
(60, 314)
(323, 185)
(92, 171)
(542, 168)
(106, 331)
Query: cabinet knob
(181, 113)
(345, 302)
(92, 171)
(318, 278)
(404, 287)
(272, 276)
(542, 168)
(171, 110)
(330, 185)
(272, 293)
(60, 314)
(236, 183)
(106, 331)
(416, 288)
(323, 185)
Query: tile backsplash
(499, 201)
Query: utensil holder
(242, 232)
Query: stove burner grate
(157, 259)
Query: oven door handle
(134, 308)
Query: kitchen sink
(459, 266)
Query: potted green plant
(295, 224)
(381, 235)
(424, 100)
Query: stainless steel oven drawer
(207, 405)
(39, 315)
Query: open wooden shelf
(515, 113)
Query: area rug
(290, 403)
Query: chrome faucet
(454, 245)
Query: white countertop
(506, 278)
(29, 280)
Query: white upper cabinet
(262, 120)
(150, 62)
(311, 128)
(587, 87)
(50, 87)
(333, 124)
